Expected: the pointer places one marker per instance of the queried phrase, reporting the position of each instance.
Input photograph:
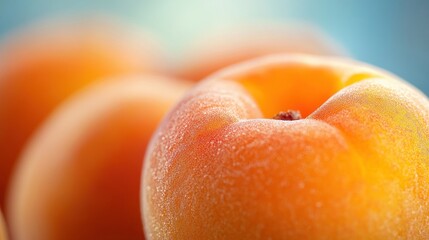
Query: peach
(354, 166)
(79, 176)
(223, 48)
(47, 62)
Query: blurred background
(392, 34)
(43, 67)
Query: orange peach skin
(3, 235)
(44, 64)
(79, 177)
(224, 48)
(355, 167)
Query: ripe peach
(3, 235)
(44, 64)
(354, 167)
(223, 48)
(79, 177)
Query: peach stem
(289, 115)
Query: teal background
(391, 34)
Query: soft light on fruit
(353, 166)
(79, 177)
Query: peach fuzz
(232, 45)
(79, 176)
(45, 63)
(353, 167)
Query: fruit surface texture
(355, 166)
(79, 177)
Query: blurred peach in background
(47, 62)
(79, 177)
(232, 45)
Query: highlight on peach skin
(47, 62)
(79, 177)
(229, 46)
(3, 235)
(234, 160)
